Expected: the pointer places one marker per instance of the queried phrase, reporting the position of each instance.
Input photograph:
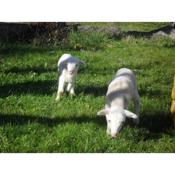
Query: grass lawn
(31, 121)
(127, 26)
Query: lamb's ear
(62, 66)
(82, 62)
(102, 112)
(130, 114)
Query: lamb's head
(73, 65)
(115, 119)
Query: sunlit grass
(31, 121)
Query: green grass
(129, 26)
(86, 40)
(31, 121)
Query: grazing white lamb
(67, 67)
(120, 91)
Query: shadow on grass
(40, 87)
(156, 124)
(92, 90)
(36, 69)
(15, 119)
(46, 87)
(11, 49)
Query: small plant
(86, 40)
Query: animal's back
(124, 79)
(122, 86)
(127, 73)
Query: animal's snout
(113, 136)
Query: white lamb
(120, 91)
(67, 67)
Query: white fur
(120, 91)
(67, 67)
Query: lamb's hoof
(108, 133)
(72, 94)
(57, 99)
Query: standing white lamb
(67, 67)
(120, 91)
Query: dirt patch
(114, 32)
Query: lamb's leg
(68, 87)
(60, 90)
(136, 101)
(72, 91)
(108, 130)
